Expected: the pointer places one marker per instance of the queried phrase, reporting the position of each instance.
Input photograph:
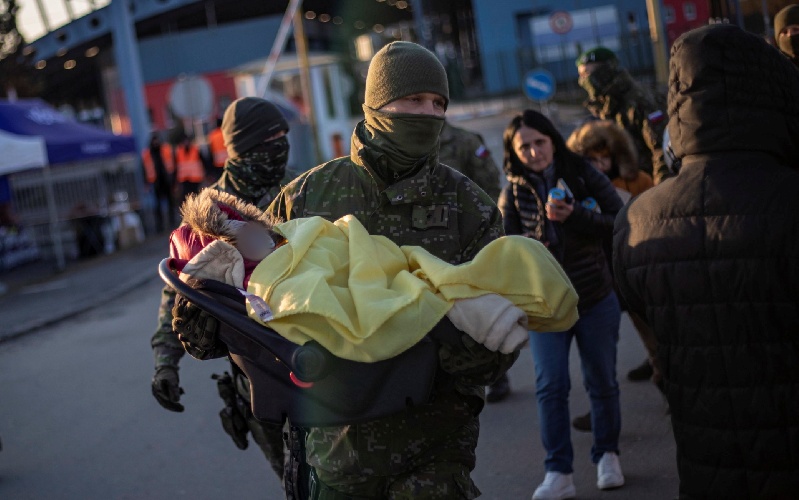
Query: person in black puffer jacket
(711, 258)
(536, 160)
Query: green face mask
(405, 138)
(597, 83)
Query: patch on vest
(427, 217)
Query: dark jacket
(712, 258)
(577, 243)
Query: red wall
(157, 95)
(680, 24)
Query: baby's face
(254, 241)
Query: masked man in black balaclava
(786, 32)
(255, 137)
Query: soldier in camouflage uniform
(255, 136)
(394, 184)
(614, 95)
(466, 152)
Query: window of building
(689, 10)
(668, 14)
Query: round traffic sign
(539, 85)
(192, 97)
(561, 22)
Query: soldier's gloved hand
(166, 388)
(197, 330)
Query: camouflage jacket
(443, 211)
(167, 349)
(636, 110)
(465, 152)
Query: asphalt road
(78, 422)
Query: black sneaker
(583, 422)
(499, 390)
(641, 372)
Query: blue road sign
(539, 85)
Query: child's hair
(607, 138)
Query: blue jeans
(597, 333)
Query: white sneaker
(556, 486)
(608, 472)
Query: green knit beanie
(248, 122)
(403, 68)
(786, 17)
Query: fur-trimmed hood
(214, 213)
(600, 135)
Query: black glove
(234, 414)
(197, 330)
(166, 388)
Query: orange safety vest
(149, 166)
(218, 150)
(189, 164)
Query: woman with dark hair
(536, 160)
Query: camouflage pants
(430, 465)
(269, 438)
(446, 481)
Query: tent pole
(55, 234)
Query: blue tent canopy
(65, 139)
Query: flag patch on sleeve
(482, 152)
(655, 116)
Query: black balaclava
(254, 166)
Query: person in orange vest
(159, 172)
(216, 146)
(189, 167)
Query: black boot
(583, 422)
(499, 390)
(641, 372)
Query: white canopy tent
(19, 153)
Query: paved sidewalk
(37, 297)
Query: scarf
(254, 172)
(403, 140)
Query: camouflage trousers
(423, 455)
(446, 481)
(269, 438)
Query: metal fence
(67, 206)
(504, 70)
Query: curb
(110, 294)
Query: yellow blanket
(366, 299)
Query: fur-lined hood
(214, 213)
(606, 135)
